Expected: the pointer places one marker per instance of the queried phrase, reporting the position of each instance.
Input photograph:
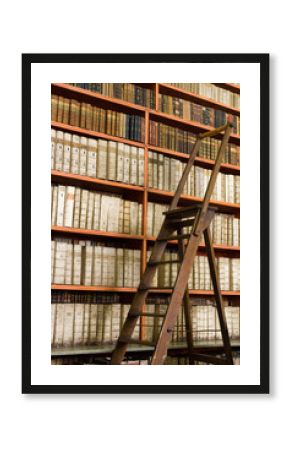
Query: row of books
(173, 138)
(225, 228)
(97, 158)
(129, 92)
(209, 149)
(211, 91)
(198, 113)
(79, 208)
(78, 319)
(90, 263)
(228, 272)
(164, 173)
(95, 118)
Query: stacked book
(196, 112)
(79, 208)
(97, 158)
(164, 173)
(211, 91)
(90, 263)
(133, 93)
(93, 118)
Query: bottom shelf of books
(86, 326)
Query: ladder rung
(148, 314)
(168, 261)
(176, 237)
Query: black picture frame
(263, 61)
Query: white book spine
(60, 206)
(59, 151)
(53, 148)
(69, 206)
(67, 152)
(120, 162)
(75, 154)
(133, 165)
(83, 155)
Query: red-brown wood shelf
(168, 89)
(217, 247)
(77, 287)
(229, 87)
(96, 233)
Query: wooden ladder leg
(186, 307)
(218, 297)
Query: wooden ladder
(199, 219)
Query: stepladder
(196, 219)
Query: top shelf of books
(180, 110)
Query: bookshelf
(143, 194)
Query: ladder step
(187, 211)
(157, 263)
(144, 314)
(181, 223)
(176, 237)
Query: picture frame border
(261, 58)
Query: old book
(84, 208)
(126, 175)
(136, 267)
(133, 165)
(97, 209)
(102, 159)
(120, 162)
(104, 266)
(77, 263)
(53, 148)
(86, 331)
(59, 323)
(112, 160)
(120, 267)
(126, 217)
(59, 151)
(68, 272)
(150, 169)
(68, 323)
(97, 266)
(90, 211)
(113, 213)
(69, 206)
(75, 154)
(105, 207)
(60, 205)
(160, 171)
(59, 262)
(92, 158)
(66, 152)
(52, 259)
(93, 321)
(77, 204)
(78, 323)
(54, 204)
(66, 107)
(88, 254)
(99, 329)
(54, 104)
(83, 155)
(140, 162)
(111, 272)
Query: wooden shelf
(229, 87)
(101, 349)
(95, 183)
(96, 233)
(168, 89)
(165, 196)
(208, 163)
(95, 134)
(76, 287)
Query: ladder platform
(186, 211)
